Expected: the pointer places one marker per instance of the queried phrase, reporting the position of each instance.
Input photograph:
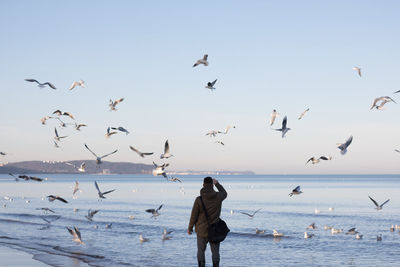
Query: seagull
(109, 133)
(142, 154)
(307, 235)
(101, 194)
(274, 114)
(57, 137)
(202, 61)
(398, 91)
(398, 151)
(78, 83)
(336, 231)
(379, 237)
(304, 113)
(166, 154)
(76, 188)
(78, 126)
(143, 239)
(250, 215)
(352, 231)
(98, 159)
(46, 209)
(259, 232)
(26, 178)
(378, 207)
(213, 133)
(175, 179)
(76, 234)
(312, 226)
(275, 233)
(384, 99)
(210, 85)
(343, 147)
(60, 113)
(113, 104)
(160, 170)
(358, 70)
(50, 220)
(327, 227)
(317, 211)
(358, 236)
(51, 198)
(80, 168)
(154, 212)
(41, 85)
(62, 124)
(228, 128)
(3, 153)
(109, 226)
(121, 129)
(284, 129)
(296, 191)
(317, 160)
(220, 142)
(165, 235)
(44, 119)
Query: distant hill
(91, 167)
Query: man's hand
(189, 232)
(215, 181)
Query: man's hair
(208, 180)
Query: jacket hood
(208, 191)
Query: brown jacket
(213, 201)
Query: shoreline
(13, 257)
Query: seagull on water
(384, 100)
(336, 231)
(307, 235)
(210, 85)
(358, 69)
(57, 137)
(359, 236)
(142, 154)
(312, 226)
(41, 85)
(275, 233)
(343, 147)
(155, 212)
(251, 216)
(379, 237)
(303, 113)
(101, 194)
(143, 239)
(378, 207)
(51, 198)
(76, 234)
(317, 160)
(113, 104)
(166, 154)
(352, 231)
(296, 191)
(202, 61)
(284, 129)
(165, 234)
(78, 83)
(98, 159)
(274, 114)
(259, 232)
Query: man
(212, 201)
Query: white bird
(101, 194)
(336, 231)
(228, 128)
(81, 168)
(327, 227)
(78, 83)
(307, 235)
(65, 113)
(275, 233)
(41, 85)
(317, 211)
(359, 236)
(76, 234)
(155, 212)
(98, 159)
(210, 85)
(76, 188)
(259, 232)
(296, 191)
(303, 113)
(109, 226)
(109, 132)
(121, 129)
(352, 231)
(175, 179)
(274, 114)
(331, 209)
(213, 133)
(251, 216)
(160, 169)
(143, 239)
(202, 61)
(57, 137)
(78, 126)
(166, 154)
(44, 119)
(165, 235)
(317, 160)
(113, 104)
(312, 226)
(378, 207)
(358, 70)
(142, 154)
(379, 237)
(90, 215)
(343, 147)
(384, 100)
(284, 129)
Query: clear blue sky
(284, 55)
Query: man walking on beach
(213, 202)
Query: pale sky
(284, 55)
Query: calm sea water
(21, 225)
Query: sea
(339, 201)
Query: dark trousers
(201, 248)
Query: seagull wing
(213, 83)
(205, 57)
(309, 160)
(90, 151)
(348, 142)
(159, 207)
(32, 80)
(104, 193)
(254, 213)
(134, 149)
(148, 153)
(323, 158)
(284, 122)
(44, 219)
(97, 186)
(245, 213)
(55, 130)
(297, 189)
(155, 165)
(70, 231)
(166, 147)
(78, 233)
(51, 85)
(376, 203)
(73, 85)
(109, 154)
(61, 199)
(385, 202)
(150, 210)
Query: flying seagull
(46, 209)
(51, 198)
(284, 129)
(202, 61)
(113, 104)
(57, 137)
(60, 113)
(26, 178)
(398, 151)
(303, 113)
(378, 207)
(142, 154)
(213, 133)
(76, 188)
(76, 234)
(398, 91)
(175, 179)
(80, 168)
(384, 100)
(90, 215)
(3, 153)
(98, 159)
(101, 194)
(121, 129)
(166, 154)
(251, 216)
(78, 126)
(78, 83)
(296, 191)
(358, 70)
(160, 170)
(274, 114)
(154, 212)
(220, 142)
(109, 132)
(317, 160)
(41, 85)
(228, 128)
(210, 85)
(165, 235)
(343, 147)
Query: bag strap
(205, 210)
